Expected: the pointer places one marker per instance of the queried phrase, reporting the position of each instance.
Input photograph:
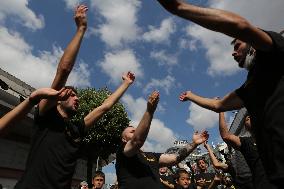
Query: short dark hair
(99, 174)
(181, 171)
(72, 88)
(203, 159)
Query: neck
(62, 112)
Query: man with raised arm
(261, 53)
(248, 148)
(138, 169)
(57, 141)
(24, 107)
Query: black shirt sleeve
(278, 41)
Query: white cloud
(71, 4)
(164, 58)
(188, 44)
(16, 58)
(201, 118)
(120, 17)
(161, 34)
(155, 141)
(166, 84)
(218, 48)
(117, 63)
(19, 11)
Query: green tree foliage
(105, 136)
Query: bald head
(127, 134)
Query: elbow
(241, 25)
(218, 108)
(226, 138)
(137, 143)
(174, 7)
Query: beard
(249, 61)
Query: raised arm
(98, 112)
(214, 160)
(222, 21)
(23, 108)
(228, 137)
(141, 132)
(230, 102)
(172, 159)
(68, 58)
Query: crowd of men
(56, 141)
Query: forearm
(214, 19)
(16, 114)
(142, 130)
(212, 156)
(223, 129)
(67, 60)
(114, 97)
(98, 112)
(182, 153)
(207, 103)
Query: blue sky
(165, 52)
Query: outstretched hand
(81, 17)
(184, 96)
(199, 138)
(153, 101)
(129, 77)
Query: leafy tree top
(105, 136)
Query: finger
(61, 90)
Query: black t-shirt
(55, 148)
(263, 96)
(167, 179)
(140, 171)
(209, 177)
(191, 186)
(249, 150)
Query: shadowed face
(71, 104)
(183, 180)
(163, 170)
(202, 165)
(128, 133)
(240, 52)
(98, 182)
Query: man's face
(202, 165)
(72, 103)
(183, 180)
(128, 133)
(84, 186)
(163, 170)
(98, 182)
(240, 52)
